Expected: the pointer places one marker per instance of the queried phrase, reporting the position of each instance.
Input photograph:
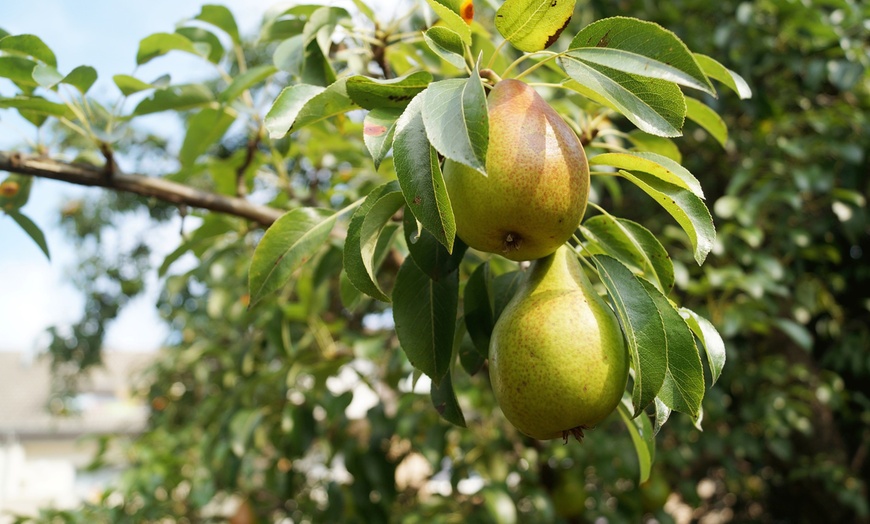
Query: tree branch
(86, 175)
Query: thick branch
(85, 175)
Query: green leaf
(213, 226)
(175, 98)
(18, 69)
(287, 244)
(355, 266)
(659, 166)
(82, 78)
(158, 44)
(683, 387)
(504, 287)
(245, 81)
(477, 304)
(445, 403)
(642, 437)
(419, 174)
(655, 144)
(321, 25)
(372, 93)
(302, 104)
(655, 106)
(379, 126)
(37, 105)
(129, 84)
(202, 38)
(428, 253)
(424, 311)
(643, 328)
(365, 10)
(456, 120)
(633, 245)
(46, 76)
(686, 208)
(222, 18)
(376, 218)
(717, 71)
(705, 117)
(663, 413)
(452, 20)
(644, 48)
(204, 129)
(533, 25)
(28, 45)
(289, 55)
(31, 229)
(241, 429)
(447, 44)
(710, 338)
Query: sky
(36, 293)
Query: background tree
(247, 403)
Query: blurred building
(43, 457)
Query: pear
(536, 186)
(557, 359)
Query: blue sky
(104, 34)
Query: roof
(104, 399)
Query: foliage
(256, 401)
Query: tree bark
(87, 175)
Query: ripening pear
(536, 186)
(557, 358)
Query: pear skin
(557, 359)
(537, 183)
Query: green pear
(536, 186)
(557, 358)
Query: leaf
(201, 39)
(655, 106)
(710, 338)
(504, 287)
(376, 218)
(129, 84)
(657, 165)
(18, 69)
(445, 403)
(302, 104)
(175, 98)
(456, 120)
(717, 71)
(419, 174)
(663, 413)
(365, 10)
(633, 245)
(290, 54)
(28, 45)
(447, 44)
(430, 255)
(222, 18)
(533, 25)
(452, 20)
(424, 311)
(643, 328)
(642, 436)
(320, 26)
(354, 264)
(46, 76)
(82, 78)
(32, 230)
(705, 117)
(683, 387)
(158, 44)
(655, 144)
(686, 208)
(372, 93)
(379, 126)
(287, 244)
(241, 429)
(213, 226)
(203, 129)
(37, 105)
(643, 48)
(245, 81)
(477, 304)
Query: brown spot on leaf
(9, 189)
(417, 200)
(467, 11)
(374, 130)
(555, 36)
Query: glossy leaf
(290, 54)
(18, 69)
(701, 114)
(287, 244)
(424, 311)
(686, 208)
(654, 164)
(447, 44)
(643, 328)
(301, 105)
(175, 98)
(533, 25)
(642, 436)
(204, 129)
(378, 215)
(32, 230)
(28, 45)
(477, 304)
(714, 346)
(663, 413)
(419, 174)
(46, 76)
(717, 71)
(640, 47)
(456, 120)
(372, 93)
(379, 126)
(445, 403)
(660, 145)
(430, 255)
(245, 81)
(633, 245)
(82, 78)
(452, 19)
